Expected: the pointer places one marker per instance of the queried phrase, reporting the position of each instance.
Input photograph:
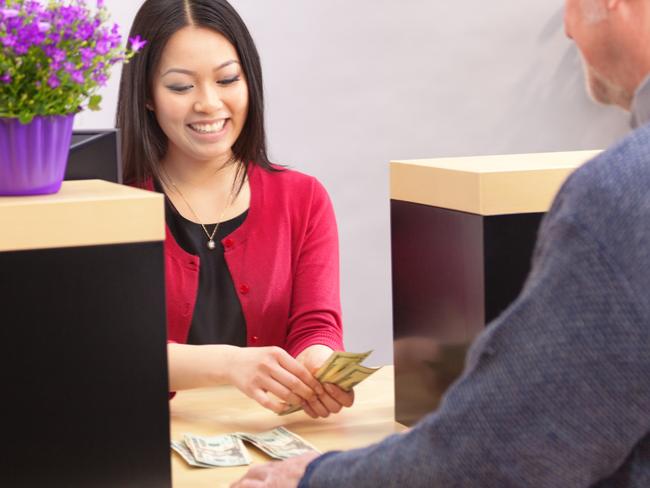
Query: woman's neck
(200, 174)
(210, 189)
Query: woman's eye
(229, 81)
(179, 88)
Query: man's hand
(279, 474)
(334, 398)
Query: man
(556, 391)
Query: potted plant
(54, 57)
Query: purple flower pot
(33, 157)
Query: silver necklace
(211, 244)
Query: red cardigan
(284, 263)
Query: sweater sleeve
(315, 314)
(555, 392)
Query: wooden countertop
(82, 213)
(224, 409)
(485, 185)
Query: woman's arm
(268, 375)
(315, 328)
(315, 314)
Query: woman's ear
(149, 107)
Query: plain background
(353, 84)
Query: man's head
(613, 37)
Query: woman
(251, 251)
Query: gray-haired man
(556, 391)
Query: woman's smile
(210, 132)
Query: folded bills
(342, 369)
(229, 450)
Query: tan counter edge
(83, 213)
(485, 185)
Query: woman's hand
(333, 399)
(265, 372)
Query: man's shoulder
(607, 200)
(623, 165)
(616, 181)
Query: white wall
(351, 85)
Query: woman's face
(200, 97)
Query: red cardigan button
(244, 288)
(255, 339)
(228, 243)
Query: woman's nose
(210, 101)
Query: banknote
(278, 443)
(187, 455)
(351, 376)
(223, 450)
(229, 450)
(338, 361)
(343, 369)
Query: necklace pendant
(211, 245)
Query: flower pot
(33, 156)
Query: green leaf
(94, 101)
(25, 118)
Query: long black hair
(143, 142)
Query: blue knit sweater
(556, 391)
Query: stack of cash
(229, 450)
(208, 452)
(278, 443)
(343, 369)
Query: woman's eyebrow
(192, 73)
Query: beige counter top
(83, 213)
(485, 185)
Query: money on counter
(223, 450)
(229, 450)
(343, 369)
(278, 443)
(187, 455)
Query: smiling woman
(251, 254)
(200, 106)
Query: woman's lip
(210, 136)
(208, 122)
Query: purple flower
(103, 47)
(78, 77)
(63, 49)
(8, 40)
(100, 78)
(84, 31)
(137, 43)
(9, 13)
(21, 48)
(87, 56)
(58, 55)
(53, 81)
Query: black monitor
(95, 154)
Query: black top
(217, 317)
